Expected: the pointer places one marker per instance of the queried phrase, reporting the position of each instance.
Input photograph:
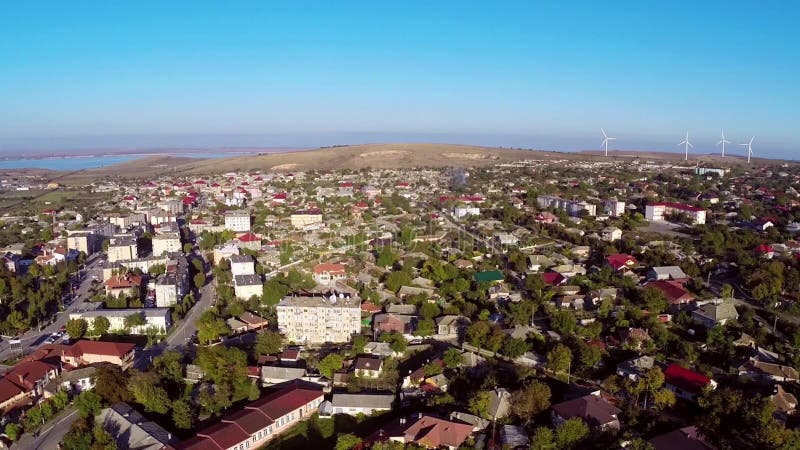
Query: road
(179, 336)
(52, 433)
(33, 338)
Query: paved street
(34, 337)
(52, 433)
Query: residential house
(674, 291)
(354, 404)
(611, 234)
(78, 380)
(687, 438)
(635, 368)
(394, 323)
(593, 409)
(24, 384)
(433, 432)
(666, 273)
(785, 404)
(132, 430)
(538, 263)
(717, 313)
(368, 367)
(686, 384)
(246, 286)
(85, 353)
(127, 284)
(328, 274)
(451, 325)
(242, 265)
(769, 372)
(277, 374)
(499, 403)
(620, 262)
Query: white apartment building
(459, 212)
(319, 319)
(170, 288)
(614, 208)
(572, 207)
(158, 318)
(246, 286)
(238, 221)
(121, 248)
(301, 219)
(242, 265)
(658, 211)
(166, 243)
(82, 241)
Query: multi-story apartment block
(158, 318)
(242, 265)
(319, 319)
(238, 221)
(614, 208)
(166, 243)
(122, 247)
(82, 241)
(170, 288)
(246, 286)
(302, 219)
(659, 211)
(572, 207)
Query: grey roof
(673, 272)
(383, 401)
(282, 373)
(717, 311)
(499, 403)
(477, 422)
(241, 259)
(132, 431)
(514, 436)
(637, 366)
(395, 308)
(78, 374)
(247, 280)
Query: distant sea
(81, 162)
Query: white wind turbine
(686, 145)
(749, 146)
(722, 142)
(606, 139)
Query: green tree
(514, 347)
(89, 404)
(559, 358)
(543, 439)
(147, 392)
(110, 383)
(199, 280)
(210, 327)
(330, 364)
(134, 320)
(479, 404)
(168, 366)
(571, 433)
(397, 342)
(100, 326)
(530, 400)
(347, 441)
(359, 342)
(452, 358)
(76, 328)
(13, 431)
(182, 414)
(429, 310)
(268, 343)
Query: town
(542, 304)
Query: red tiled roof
(225, 434)
(673, 290)
(198, 443)
(765, 248)
(125, 281)
(280, 403)
(249, 237)
(435, 432)
(84, 347)
(370, 307)
(553, 278)
(685, 379)
(250, 420)
(620, 260)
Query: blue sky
(155, 73)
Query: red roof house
(686, 383)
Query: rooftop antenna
(686, 144)
(722, 142)
(749, 146)
(606, 139)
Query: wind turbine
(723, 142)
(606, 139)
(749, 146)
(686, 145)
